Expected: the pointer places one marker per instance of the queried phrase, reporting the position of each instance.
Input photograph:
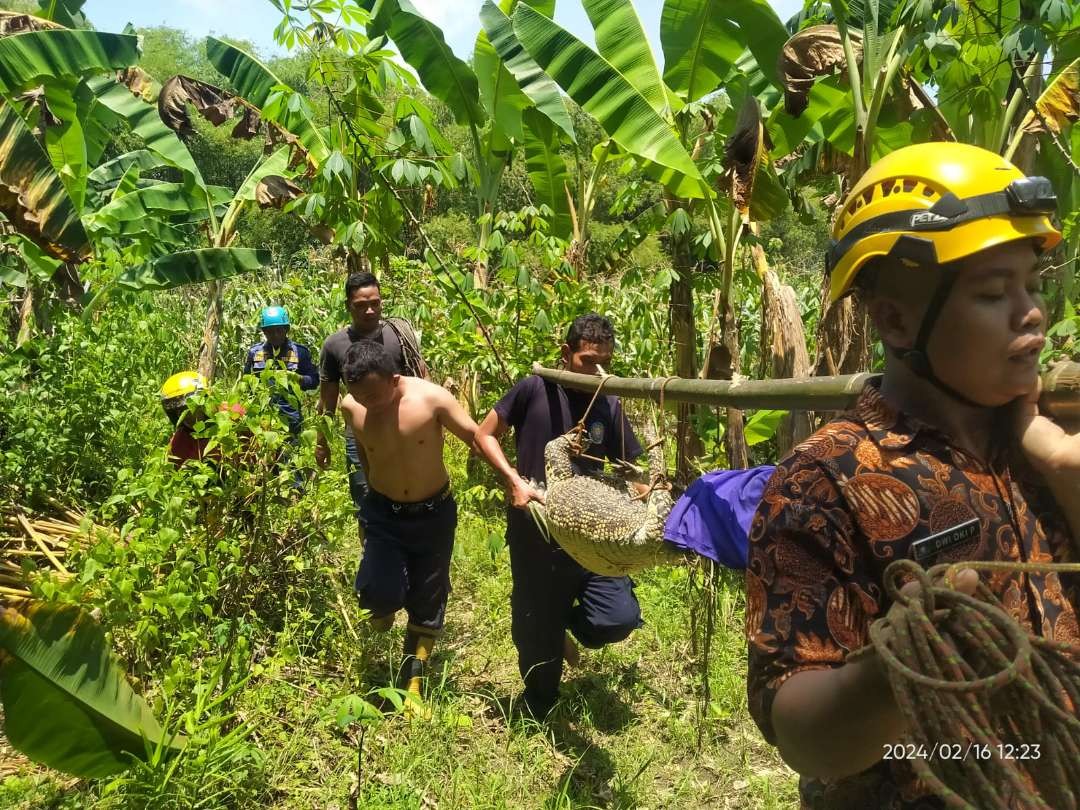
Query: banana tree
(673, 125)
(490, 99)
(59, 107)
(913, 70)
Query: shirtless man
(409, 514)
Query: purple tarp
(712, 518)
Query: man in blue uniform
(278, 352)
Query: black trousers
(406, 560)
(553, 594)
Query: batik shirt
(858, 494)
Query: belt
(412, 507)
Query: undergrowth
(228, 596)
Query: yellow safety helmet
(177, 389)
(935, 203)
(183, 384)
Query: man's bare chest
(407, 429)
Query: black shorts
(406, 559)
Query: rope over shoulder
(970, 680)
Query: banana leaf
(66, 12)
(99, 123)
(275, 164)
(256, 83)
(701, 39)
(143, 120)
(788, 131)
(161, 200)
(14, 22)
(39, 264)
(424, 47)
(64, 140)
(193, 267)
(32, 195)
(111, 171)
(700, 46)
(10, 273)
(153, 233)
(620, 38)
(532, 80)
(254, 190)
(604, 93)
(66, 701)
(27, 58)
(499, 91)
(127, 184)
(547, 170)
(1058, 105)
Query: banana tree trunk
(723, 362)
(684, 335)
(843, 338)
(844, 344)
(1025, 155)
(786, 341)
(26, 316)
(212, 330)
(738, 454)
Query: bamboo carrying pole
(1060, 397)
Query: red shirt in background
(185, 446)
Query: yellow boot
(417, 651)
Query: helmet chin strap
(917, 358)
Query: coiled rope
(991, 709)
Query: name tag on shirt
(942, 541)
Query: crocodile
(598, 521)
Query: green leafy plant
(66, 701)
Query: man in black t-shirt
(363, 300)
(552, 594)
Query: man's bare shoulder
(429, 391)
(351, 406)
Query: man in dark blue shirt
(278, 352)
(552, 594)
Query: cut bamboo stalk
(14, 592)
(53, 541)
(59, 566)
(75, 516)
(1060, 397)
(809, 393)
(56, 525)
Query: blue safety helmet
(273, 316)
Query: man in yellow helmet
(184, 444)
(944, 459)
